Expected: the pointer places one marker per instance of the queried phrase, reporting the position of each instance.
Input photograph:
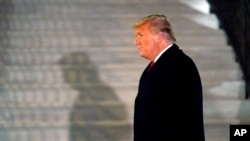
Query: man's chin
(141, 54)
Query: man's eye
(139, 35)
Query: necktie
(151, 65)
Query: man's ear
(160, 36)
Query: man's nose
(136, 41)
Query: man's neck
(162, 51)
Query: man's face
(145, 41)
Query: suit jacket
(168, 106)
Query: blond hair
(157, 23)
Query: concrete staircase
(69, 69)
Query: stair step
(95, 8)
(224, 90)
(116, 59)
(205, 59)
(87, 41)
(65, 93)
(83, 76)
(212, 91)
(217, 132)
(37, 131)
(223, 109)
(55, 111)
(46, 125)
(185, 30)
(64, 27)
(81, 41)
(87, 2)
(82, 24)
(122, 49)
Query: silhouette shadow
(97, 114)
(6, 11)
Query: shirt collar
(159, 55)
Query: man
(169, 104)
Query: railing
(234, 18)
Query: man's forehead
(141, 29)
(138, 31)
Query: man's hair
(157, 23)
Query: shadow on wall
(97, 114)
(6, 10)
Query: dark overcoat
(169, 106)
